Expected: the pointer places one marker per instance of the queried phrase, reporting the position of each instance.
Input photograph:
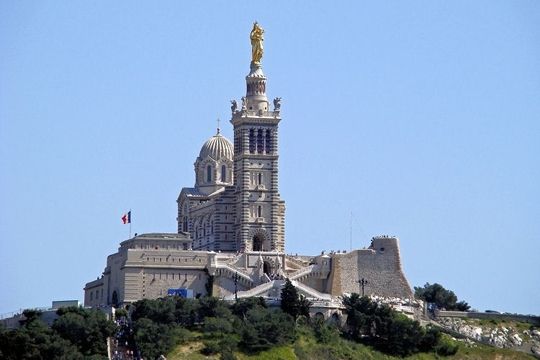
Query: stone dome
(217, 147)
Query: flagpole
(129, 224)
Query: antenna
(350, 234)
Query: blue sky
(420, 118)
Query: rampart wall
(379, 265)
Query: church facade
(235, 203)
(231, 228)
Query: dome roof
(217, 147)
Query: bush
(323, 332)
(217, 326)
(446, 347)
(228, 345)
(242, 306)
(160, 311)
(152, 338)
(264, 328)
(119, 313)
(211, 347)
(387, 330)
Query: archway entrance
(335, 319)
(257, 243)
(267, 268)
(114, 299)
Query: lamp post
(235, 277)
(363, 282)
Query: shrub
(324, 333)
(211, 347)
(446, 347)
(387, 330)
(264, 328)
(217, 326)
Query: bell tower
(260, 212)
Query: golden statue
(257, 39)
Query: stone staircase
(260, 290)
(256, 291)
(310, 291)
(228, 271)
(301, 273)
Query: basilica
(231, 228)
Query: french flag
(126, 218)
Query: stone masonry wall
(380, 265)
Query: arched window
(259, 211)
(114, 299)
(251, 141)
(257, 243)
(268, 142)
(259, 178)
(208, 173)
(223, 173)
(260, 142)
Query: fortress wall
(380, 265)
(315, 283)
(157, 281)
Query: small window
(260, 179)
(259, 211)
(223, 173)
(381, 249)
(208, 173)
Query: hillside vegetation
(307, 347)
(209, 328)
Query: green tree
(86, 329)
(242, 306)
(153, 338)
(387, 330)
(289, 299)
(217, 326)
(303, 306)
(441, 297)
(263, 328)
(186, 311)
(213, 307)
(292, 303)
(324, 333)
(35, 340)
(160, 310)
